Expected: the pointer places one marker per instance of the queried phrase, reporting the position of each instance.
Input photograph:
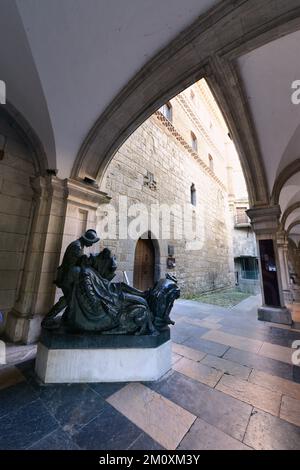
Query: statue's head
(89, 238)
(105, 264)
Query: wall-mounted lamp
(2, 146)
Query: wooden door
(144, 260)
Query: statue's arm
(132, 290)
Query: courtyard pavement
(232, 386)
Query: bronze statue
(67, 272)
(94, 303)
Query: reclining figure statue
(92, 302)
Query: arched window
(193, 194)
(166, 110)
(211, 162)
(194, 142)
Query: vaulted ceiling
(68, 64)
(63, 61)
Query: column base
(288, 296)
(275, 315)
(24, 330)
(296, 293)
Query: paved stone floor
(232, 386)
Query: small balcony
(241, 220)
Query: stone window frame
(193, 194)
(167, 111)
(194, 142)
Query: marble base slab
(102, 364)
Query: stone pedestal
(66, 358)
(275, 315)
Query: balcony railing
(249, 275)
(241, 219)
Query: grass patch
(222, 298)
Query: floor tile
(287, 337)
(209, 347)
(162, 419)
(226, 366)
(179, 336)
(222, 411)
(214, 318)
(190, 353)
(72, 405)
(240, 342)
(22, 428)
(198, 371)
(145, 442)
(277, 325)
(16, 353)
(175, 357)
(204, 436)
(57, 440)
(268, 432)
(273, 351)
(253, 394)
(210, 325)
(9, 376)
(256, 361)
(107, 389)
(186, 330)
(290, 410)
(272, 382)
(13, 398)
(296, 374)
(110, 430)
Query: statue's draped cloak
(99, 304)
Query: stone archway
(146, 269)
(207, 49)
(144, 264)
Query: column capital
(265, 220)
(282, 239)
(85, 194)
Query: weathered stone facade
(16, 168)
(163, 148)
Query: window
(241, 216)
(193, 194)
(211, 162)
(249, 268)
(166, 110)
(194, 142)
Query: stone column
(282, 247)
(296, 264)
(82, 202)
(265, 223)
(62, 211)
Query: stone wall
(154, 147)
(16, 168)
(244, 242)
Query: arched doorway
(144, 264)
